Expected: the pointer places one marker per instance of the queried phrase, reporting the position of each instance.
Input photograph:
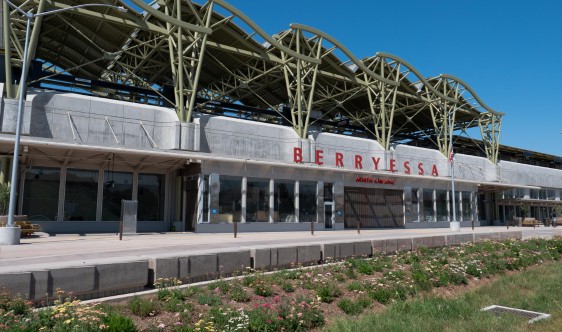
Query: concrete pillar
(297, 200)
(62, 192)
(243, 203)
(201, 193)
(271, 199)
(449, 207)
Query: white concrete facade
(69, 131)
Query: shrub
(328, 292)
(355, 286)
(239, 294)
(261, 288)
(351, 307)
(287, 287)
(226, 319)
(222, 286)
(143, 307)
(209, 299)
(118, 323)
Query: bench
(27, 228)
(530, 222)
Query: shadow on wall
(40, 126)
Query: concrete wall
(247, 139)
(105, 277)
(530, 175)
(67, 117)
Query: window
(307, 201)
(415, 206)
(117, 187)
(442, 204)
(257, 200)
(230, 199)
(466, 210)
(428, 212)
(80, 199)
(284, 202)
(41, 193)
(150, 197)
(206, 193)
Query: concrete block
(203, 267)
(329, 251)
(39, 285)
(309, 255)
(75, 280)
(183, 267)
(346, 250)
(511, 235)
(458, 239)
(486, 236)
(286, 256)
(404, 244)
(428, 242)
(166, 267)
(362, 249)
(391, 245)
(122, 275)
(17, 283)
(234, 262)
(263, 258)
(378, 246)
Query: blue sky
(509, 52)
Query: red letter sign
(434, 171)
(297, 155)
(319, 157)
(392, 165)
(339, 159)
(420, 167)
(407, 167)
(376, 162)
(358, 162)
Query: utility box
(129, 216)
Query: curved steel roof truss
(194, 56)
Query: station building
(204, 120)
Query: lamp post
(454, 225)
(10, 234)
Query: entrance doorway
(373, 208)
(328, 215)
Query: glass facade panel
(150, 197)
(466, 210)
(415, 205)
(441, 203)
(307, 201)
(257, 200)
(117, 186)
(551, 194)
(534, 194)
(428, 212)
(284, 203)
(206, 193)
(230, 199)
(41, 193)
(80, 199)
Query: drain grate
(533, 316)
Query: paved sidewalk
(70, 250)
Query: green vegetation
(539, 290)
(299, 299)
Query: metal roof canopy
(200, 50)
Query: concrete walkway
(59, 251)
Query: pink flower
(217, 290)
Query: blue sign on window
(214, 211)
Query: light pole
(10, 234)
(454, 225)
